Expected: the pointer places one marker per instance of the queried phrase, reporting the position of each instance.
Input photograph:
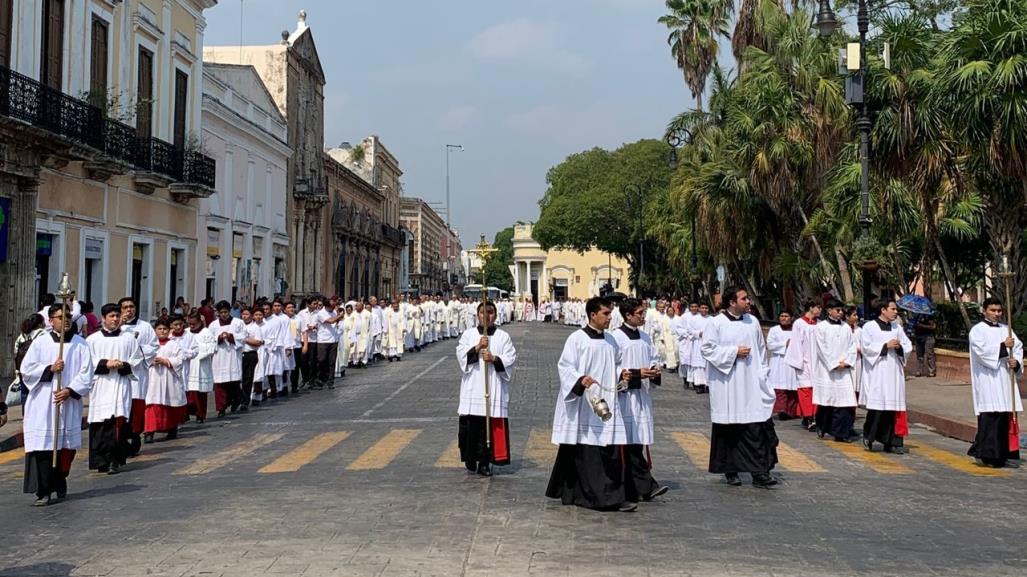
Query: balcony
(393, 236)
(70, 129)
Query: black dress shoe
(485, 469)
(42, 501)
(243, 409)
(103, 469)
(763, 480)
(627, 507)
(655, 493)
(868, 445)
(732, 479)
(895, 450)
(472, 466)
(172, 435)
(842, 440)
(147, 438)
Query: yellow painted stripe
(696, 446)
(305, 453)
(958, 462)
(792, 460)
(540, 449)
(385, 450)
(451, 458)
(880, 462)
(8, 456)
(233, 453)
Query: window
(181, 105)
(144, 94)
(6, 14)
(52, 59)
(98, 64)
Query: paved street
(363, 480)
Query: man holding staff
(996, 362)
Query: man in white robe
(834, 390)
(395, 332)
(485, 349)
(996, 366)
(165, 391)
(697, 367)
(684, 342)
(783, 378)
(41, 369)
(201, 371)
(374, 351)
(144, 336)
(640, 359)
(802, 356)
(275, 327)
(229, 333)
(741, 400)
(362, 334)
(114, 353)
(886, 348)
(588, 424)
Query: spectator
(923, 333)
(31, 328)
(91, 322)
(207, 311)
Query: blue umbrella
(920, 305)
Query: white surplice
(144, 336)
(201, 371)
(782, 376)
(190, 349)
(684, 339)
(636, 405)
(884, 372)
(38, 412)
(802, 352)
(989, 372)
(574, 421)
(833, 386)
(472, 375)
(166, 386)
(739, 392)
(227, 360)
(111, 394)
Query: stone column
(18, 273)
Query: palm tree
(696, 27)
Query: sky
(521, 85)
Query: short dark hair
(596, 304)
(991, 301)
(850, 310)
(194, 315)
(881, 304)
(109, 308)
(49, 299)
(176, 317)
(124, 300)
(163, 322)
(54, 309)
(834, 304)
(33, 322)
(628, 306)
(786, 312)
(223, 306)
(487, 305)
(810, 304)
(731, 294)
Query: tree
(696, 27)
(497, 269)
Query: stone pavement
(363, 480)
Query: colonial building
(101, 163)
(354, 263)
(559, 273)
(292, 72)
(243, 235)
(452, 267)
(425, 257)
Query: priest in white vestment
(41, 369)
(886, 348)
(996, 366)
(114, 353)
(783, 378)
(834, 391)
(741, 400)
(485, 349)
(394, 341)
(588, 424)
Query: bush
(950, 320)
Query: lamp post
(449, 210)
(827, 23)
(675, 140)
(634, 193)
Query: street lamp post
(675, 140)
(449, 210)
(827, 24)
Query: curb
(944, 425)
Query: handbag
(13, 396)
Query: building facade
(243, 242)
(452, 267)
(292, 72)
(425, 256)
(101, 162)
(559, 273)
(354, 264)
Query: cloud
(458, 118)
(528, 41)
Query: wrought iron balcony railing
(392, 235)
(36, 104)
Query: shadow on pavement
(48, 569)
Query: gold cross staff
(485, 251)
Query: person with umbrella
(923, 329)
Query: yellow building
(560, 273)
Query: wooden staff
(1007, 275)
(484, 251)
(65, 293)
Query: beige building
(101, 163)
(291, 70)
(427, 275)
(562, 274)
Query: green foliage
(497, 268)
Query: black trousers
(991, 445)
(107, 445)
(326, 356)
(639, 480)
(249, 364)
(879, 427)
(835, 421)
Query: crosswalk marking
(13, 455)
(385, 450)
(540, 448)
(450, 459)
(305, 453)
(229, 455)
(792, 460)
(696, 446)
(955, 461)
(880, 462)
